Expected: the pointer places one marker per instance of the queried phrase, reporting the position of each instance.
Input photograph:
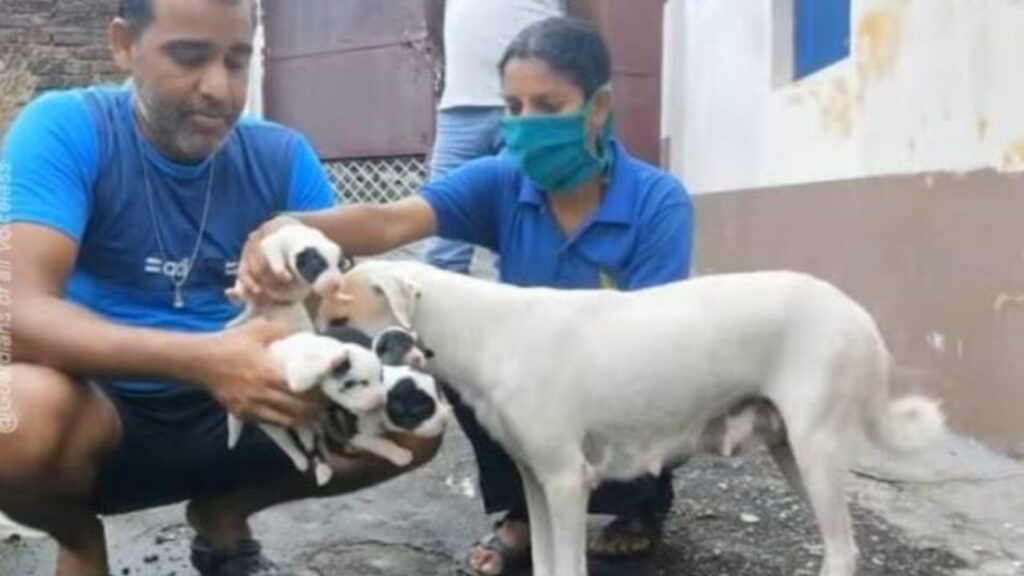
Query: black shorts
(174, 447)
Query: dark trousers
(502, 488)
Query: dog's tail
(906, 424)
(902, 425)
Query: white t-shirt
(476, 34)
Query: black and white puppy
(397, 346)
(413, 404)
(348, 374)
(306, 255)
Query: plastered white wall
(931, 85)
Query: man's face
(190, 67)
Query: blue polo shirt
(77, 164)
(640, 236)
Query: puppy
(414, 404)
(349, 375)
(397, 346)
(394, 346)
(304, 254)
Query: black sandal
(645, 530)
(513, 561)
(243, 559)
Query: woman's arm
(361, 230)
(370, 229)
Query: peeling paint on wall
(930, 86)
(839, 108)
(879, 35)
(1013, 156)
(835, 102)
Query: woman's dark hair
(571, 47)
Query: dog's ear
(341, 366)
(274, 248)
(400, 293)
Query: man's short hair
(139, 13)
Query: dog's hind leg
(541, 538)
(383, 447)
(822, 469)
(567, 494)
(782, 454)
(284, 440)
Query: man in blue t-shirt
(129, 208)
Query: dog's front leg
(541, 542)
(567, 496)
(382, 447)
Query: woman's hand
(258, 281)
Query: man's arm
(50, 331)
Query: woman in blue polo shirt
(564, 206)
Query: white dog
(585, 386)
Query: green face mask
(552, 149)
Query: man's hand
(240, 374)
(258, 280)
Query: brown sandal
(617, 540)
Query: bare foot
(507, 548)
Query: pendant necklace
(180, 275)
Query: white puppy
(349, 375)
(413, 405)
(307, 256)
(587, 385)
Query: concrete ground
(960, 514)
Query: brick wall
(48, 44)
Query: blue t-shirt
(76, 162)
(640, 236)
